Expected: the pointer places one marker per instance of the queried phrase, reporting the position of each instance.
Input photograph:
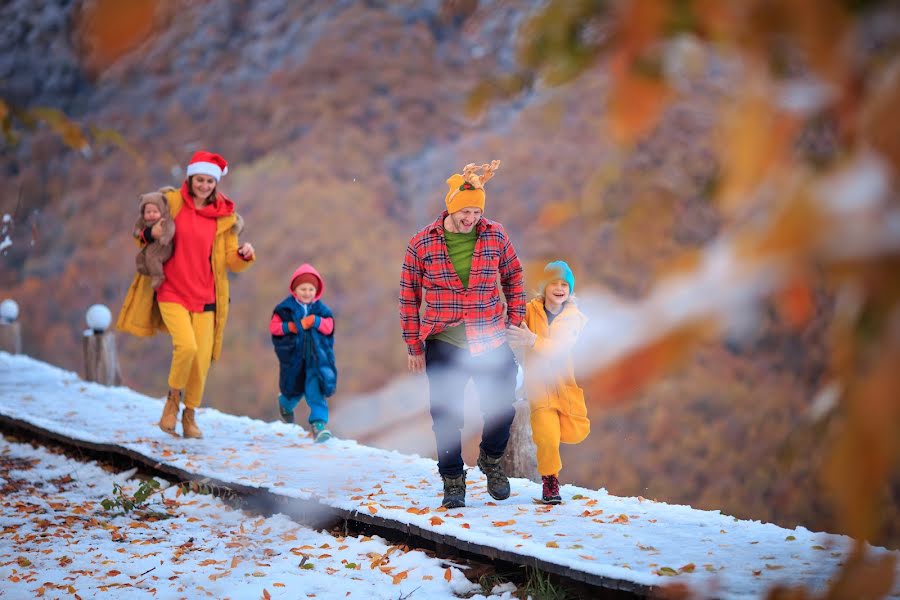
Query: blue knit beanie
(558, 269)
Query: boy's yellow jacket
(549, 373)
(140, 313)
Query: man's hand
(157, 229)
(521, 336)
(416, 364)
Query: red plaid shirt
(427, 272)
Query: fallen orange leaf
(400, 576)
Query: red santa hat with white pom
(207, 163)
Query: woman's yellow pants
(192, 342)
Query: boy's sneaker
(320, 434)
(454, 491)
(286, 415)
(550, 494)
(497, 482)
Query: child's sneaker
(550, 494)
(286, 415)
(320, 434)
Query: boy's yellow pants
(545, 433)
(192, 342)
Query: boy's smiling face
(305, 292)
(556, 293)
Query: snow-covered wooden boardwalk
(628, 544)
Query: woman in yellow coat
(192, 302)
(558, 412)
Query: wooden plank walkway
(315, 513)
(625, 544)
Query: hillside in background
(341, 122)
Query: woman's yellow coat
(140, 313)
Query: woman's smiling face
(202, 186)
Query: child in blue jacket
(302, 329)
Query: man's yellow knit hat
(467, 189)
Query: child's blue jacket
(306, 353)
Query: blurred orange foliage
(107, 29)
(789, 210)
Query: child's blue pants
(318, 408)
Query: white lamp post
(9, 311)
(10, 329)
(100, 363)
(98, 318)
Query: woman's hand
(246, 251)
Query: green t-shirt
(460, 247)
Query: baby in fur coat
(149, 260)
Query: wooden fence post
(11, 337)
(520, 458)
(10, 329)
(100, 362)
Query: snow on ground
(58, 541)
(632, 539)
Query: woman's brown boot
(189, 425)
(170, 412)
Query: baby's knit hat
(467, 189)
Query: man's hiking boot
(497, 482)
(550, 494)
(189, 424)
(320, 434)
(170, 412)
(454, 491)
(286, 415)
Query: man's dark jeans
(449, 369)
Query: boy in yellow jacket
(558, 412)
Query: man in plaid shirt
(454, 264)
